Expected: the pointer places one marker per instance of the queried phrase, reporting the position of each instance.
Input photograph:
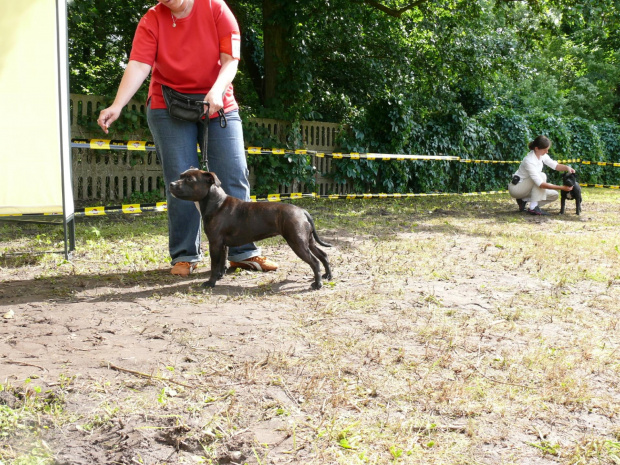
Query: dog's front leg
(563, 203)
(217, 250)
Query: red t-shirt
(187, 57)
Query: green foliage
(496, 134)
(475, 79)
(609, 136)
(100, 37)
(272, 171)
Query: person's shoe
(536, 211)
(521, 204)
(183, 269)
(255, 264)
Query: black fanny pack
(515, 179)
(190, 107)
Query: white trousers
(530, 192)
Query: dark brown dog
(232, 222)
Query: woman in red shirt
(192, 46)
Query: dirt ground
(454, 333)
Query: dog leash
(204, 163)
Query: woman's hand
(216, 101)
(107, 117)
(227, 73)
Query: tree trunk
(275, 49)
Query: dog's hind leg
(322, 256)
(303, 252)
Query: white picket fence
(114, 175)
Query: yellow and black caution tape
(352, 155)
(7, 215)
(262, 151)
(162, 206)
(127, 208)
(599, 163)
(280, 197)
(402, 196)
(601, 186)
(112, 144)
(102, 211)
(498, 162)
(511, 162)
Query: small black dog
(570, 179)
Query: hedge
(497, 134)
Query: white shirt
(531, 167)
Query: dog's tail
(314, 233)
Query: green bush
(495, 134)
(609, 135)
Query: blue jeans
(176, 145)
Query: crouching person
(529, 184)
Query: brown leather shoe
(183, 269)
(255, 264)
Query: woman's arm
(133, 77)
(215, 97)
(561, 167)
(546, 185)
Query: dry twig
(25, 364)
(146, 375)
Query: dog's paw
(327, 276)
(208, 284)
(316, 286)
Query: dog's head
(194, 185)
(570, 179)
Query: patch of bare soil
(440, 340)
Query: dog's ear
(212, 178)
